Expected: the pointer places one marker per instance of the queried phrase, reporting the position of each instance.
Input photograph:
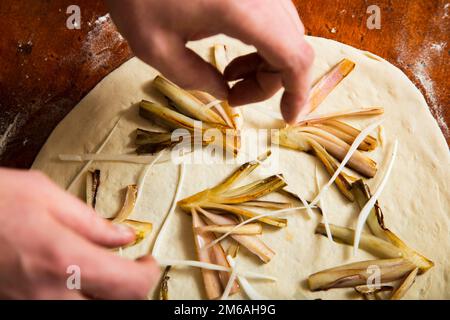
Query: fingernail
(124, 230)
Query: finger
(107, 276)
(257, 87)
(102, 274)
(82, 219)
(243, 66)
(78, 217)
(186, 68)
(297, 85)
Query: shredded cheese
(212, 104)
(231, 280)
(140, 184)
(87, 165)
(322, 206)
(163, 228)
(303, 201)
(343, 114)
(210, 266)
(360, 138)
(249, 290)
(108, 157)
(369, 205)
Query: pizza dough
(416, 201)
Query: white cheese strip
(212, 104)
(303, 200)
(369, 205)
(165, 223)
(251, 293)
(322, 206)
(231, 280)
(140, 184)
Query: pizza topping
(364, 133)
(192, 112)
(405, 285)
(92, 187)
(164, 286)
(229, 198)
(210, 266)
(358, 273)
(158, 240)
(249, 290)
(328, 82)
(248, 229)
(369, 205)
(372, 292)
(375, 222)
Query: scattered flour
(425, 59)
(428, 84)
(7, 134)
(102, 19)
(99, 42)
(439, 47)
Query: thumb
(184, 67)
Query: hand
(157, 31)
(44, 230)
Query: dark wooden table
(45, 68)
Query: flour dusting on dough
(428, 84)
(424, 60)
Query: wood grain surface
(46, 69)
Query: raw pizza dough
(416, 201)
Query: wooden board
(46, 69)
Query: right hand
(44, 230)
(157, 31)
